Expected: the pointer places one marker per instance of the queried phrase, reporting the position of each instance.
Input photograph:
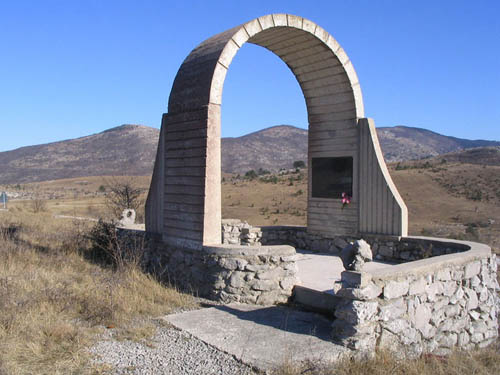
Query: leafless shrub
(38, 204)
(121, 195)
(112, 247)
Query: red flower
(346, 199)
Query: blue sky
(73, 68)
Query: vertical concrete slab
(382, 210)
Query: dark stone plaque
(331, 177)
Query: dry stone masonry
(431, 305)
(262, 275)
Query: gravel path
(170, 351)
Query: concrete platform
(262, 337)
(320, 271)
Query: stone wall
(387, 248)
(441, 295)
(429, 305)
(263, 275)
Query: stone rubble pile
(236, 232)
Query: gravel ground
(170, 351)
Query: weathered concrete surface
(262, 337)
(321, 271)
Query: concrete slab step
(315, 300)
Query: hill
(130, 150)
(406, 143)
(127, 149)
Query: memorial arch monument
(344, 156)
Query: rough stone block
(396, 289)
(288, 283)
(272, 274)
(444, 274)
(263, 285)
(357, 312)
(369, 292)
(433, 290)
(472, 269)
(417, 287)
(423, 315)
(472, 300)
(392, 309)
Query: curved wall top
(184, 202)
(321, 66)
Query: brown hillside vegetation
(131, 149)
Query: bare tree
(38, 204)
(122, 194)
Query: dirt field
(444, 199)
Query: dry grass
(479, 362)
(54, 303)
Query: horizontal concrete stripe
(337, 89)
(331, 204)
(328, 62)
(185, 172)
(288, 41)
(346, 97)
(185, 144)
(328, 108)
(186, 180)
(334, 116)
(295, 62)
(326, 81)
(196, 217)
(177, 223)
(186, 126)
(184, 189)
(321, 73)
(338, 141)
(177, 118)
(186, 134)
(328, 149)
(186, 153)
(333, 125)
(184, 199)
(183, 233)
(302, 54)
(333, 134)
(333, 153)
(332, 232)
(344, 222)
(286, 49)
(327, 214)
(274, 35)
(186, 162)
(184, 207)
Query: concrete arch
(184, 202)
(322, 68)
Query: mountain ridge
(130, 149)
